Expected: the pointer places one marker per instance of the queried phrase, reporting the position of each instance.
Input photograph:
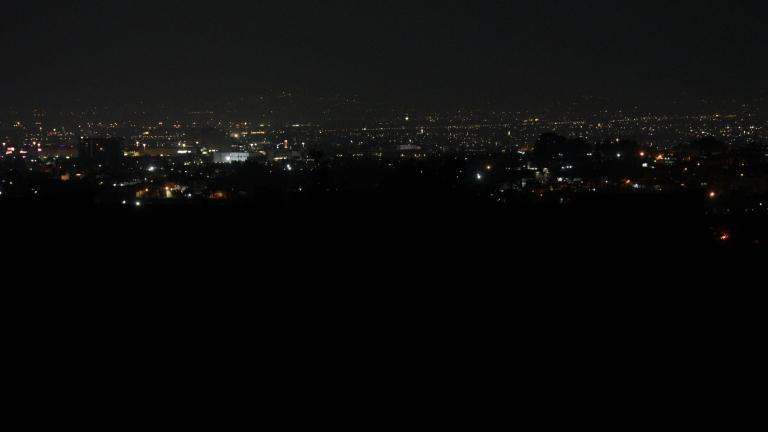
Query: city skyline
(537, 123)
(439, 193)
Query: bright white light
(137, 203)
(479, 176)
(151, 169)
(289, 167)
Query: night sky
(512, 53)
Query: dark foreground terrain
(342, 305)
(398, 227)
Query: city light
(429, 113)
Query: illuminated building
(230, 157)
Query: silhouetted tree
(623, 148)
(708, 147)
(316, 154)
(551, 146)
(578, 147)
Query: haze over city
(596, 113)
(370, 214)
